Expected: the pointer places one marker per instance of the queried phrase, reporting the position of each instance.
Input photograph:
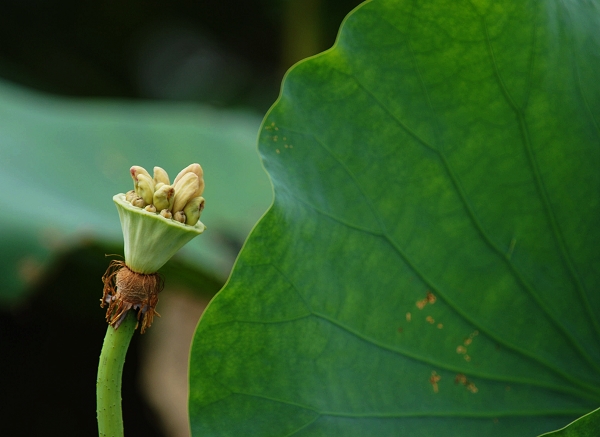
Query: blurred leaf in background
(225, 53)
(430, 263)
(61, 162)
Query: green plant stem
(110, 371)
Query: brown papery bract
(125, 290)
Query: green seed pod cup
(150, 239)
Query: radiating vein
(417, 413)
(473, 217)
(401, 351)
(543, 193)
(445, 366)
(435, 288)
(304, 426)
(335, 218)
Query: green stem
(110, 371)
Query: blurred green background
(87, 90)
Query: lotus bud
(145, 188)
(166, 214)
(179, 216)
(193, 209)
(185, 189)
(150, 208)
(160, 175)
(163, 197)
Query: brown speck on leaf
(430, 320)
(277, 150)
(440, 326)
(430, 297)
(275, 138)
(461, 350)
(467, 358)
(468, 341)
(408, 317)
(433, 380)
(472, 388)
(460, 379)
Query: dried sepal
(126, 290)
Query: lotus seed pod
(151, 239)
(185, 189)
(145, 188)
(193, 209)
(160, 175)
(163, 197)
(179, 216)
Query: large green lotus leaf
(586, 426)
(62, 160)
(430, 265)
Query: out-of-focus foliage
(62, 160)
(225, 53)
